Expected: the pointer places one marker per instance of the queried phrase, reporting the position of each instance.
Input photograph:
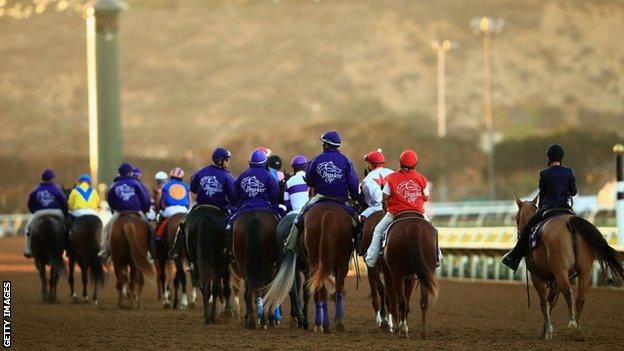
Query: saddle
(401, 216)
(536, 231)
(160, 230)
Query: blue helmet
(331, 138)
(125, 168)
(220, 154)
(84, 178)
(258, 157)
(47, 175)
(136, 172)
(299, 160)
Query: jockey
(329, 175)
(126, 194)
(137, 174)
(212, 185)
(175, 197)
(161, 178)
(255, 189)
(374, 182)
(296, 191)
(557, 185)
(46, 199)
(274, 165)
(405, 190)
(83, 199)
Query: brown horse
(379, 298)
(568, 244)
(328, 240)
(84, 244)
(255, 248)
(47, 241)
(164, 271)
(411, 254)
(129, 242)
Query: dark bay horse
(255, 248)
(205, 241)
(83, 248)
(328, 241)
(379, 298)
(568, 244)
(47, 242)
(288, 281)
(164, 271)
(129, 243)
(411, 254)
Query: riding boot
(178, 243)
(512, 258)
(439, 256)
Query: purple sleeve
(62, 200)
(194, 183)
(110, 199)
(231, 190)
(32, 202)
(237, 191)
(353, 183)
(274, 190)
(572, 186)
(310, 176)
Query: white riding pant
(172, 210)
(370, 210)
(373, 250)
(83, 212)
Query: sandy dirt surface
(468, 315)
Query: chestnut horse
(568, 244)
(410, 253)
(255, 248)
(47, 242)
(205, 241)
(129, 243)
(163, 270)
(379, 298)
(83, 248)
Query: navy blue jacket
(127, 194)
(332, 174)
(557, 184)
(214, 186)
(47, 196)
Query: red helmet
(375, 157)
(177, 173)
(409, 158)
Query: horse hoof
(326, 330)
(95, 302)
(385, 327)
(166, 305)
(577, 335)
(318, 328)
(85, 300)
(192, 306)
(227, 314)
(75, 299)
(340, 326)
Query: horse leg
(70, 280)
(372, 282)
(341, 273)
(392, 301)
(409, 287)
(217, 290)
(424, 306)
(542, 291)
(162, 283)
(553, 293)
(398, 287)
(205, 290)
(323, 296)
(306, 300)
(227, 294)
(85, 281)
(44, 281)
(139, 289)
(194, 285)
(318, 311)
(54, 277)
(250, 316)
(295, 303)
(563, 283)
(383, 311)
(181, 279)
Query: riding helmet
(409, 158)
(266, 150)
(220, 154)
(47, 175)
(177, 173)
(555, 153)
(258, 157)
(331, 138)
(84, 178)
(136, 173)
(161, 176)
(299, 161)
(375, 157)
(125, 168)
(275, 162)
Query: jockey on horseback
(212, 185)
(374, 182)
(46, 199)
(330, 175)
(175, 194)
(161, 178)
(83, 199)
(557, 185)
(255, 189)
(296, 191)
(404, 191)
(126, 194)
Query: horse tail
(138, 256)
(253, 263)
(280, 287)
(607, 256)
(91, 245)
(418, 263)
(55, 228)
(327, 252)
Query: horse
(568, 244)
(47, 242)
(83, 248)
(410, 253)
(129, 243)
(255, 249)
(205, 241)
(163, 269)
(379, 298)
(292, 267)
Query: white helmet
(161, 176)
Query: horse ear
(534, 201)
(518, 201)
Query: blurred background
(196, 74)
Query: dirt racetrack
(475, 316)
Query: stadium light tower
(441, 47)
(487, 27)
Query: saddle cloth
(400, 217)
(160, 231)
(536, 232)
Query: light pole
(441, 47)
(486, 27)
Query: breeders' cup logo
(45, 198)
(409, 190)
(252, 186)
(124, 192)
(328, 171)
(211, 185)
